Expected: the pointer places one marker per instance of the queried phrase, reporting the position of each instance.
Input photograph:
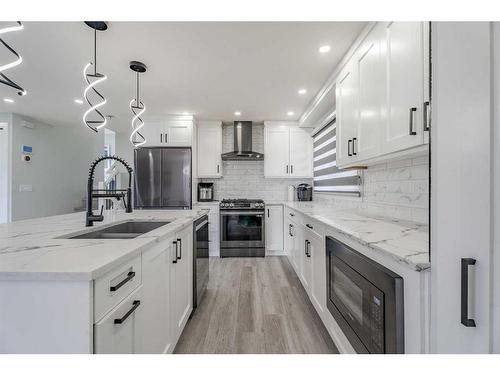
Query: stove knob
(231, 205)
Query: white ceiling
(209, 69)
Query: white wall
(5, 171)
(58, 170)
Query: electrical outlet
(25, 187)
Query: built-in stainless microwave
(366, 299)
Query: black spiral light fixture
(92, 79)
(137, 107)
(3, 78)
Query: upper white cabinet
(168, 131)
(287, 150)
(209, 149)
(347, 115)
(405, 68)
(382, 94)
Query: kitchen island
(129, 295)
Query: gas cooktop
(229, 204)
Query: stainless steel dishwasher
(200, 259)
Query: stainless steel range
(242, 228)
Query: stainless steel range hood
(243, 143)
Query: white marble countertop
(31, 249)
(406, 242)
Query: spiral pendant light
(3, 78)
(93, 78)
(137, 107)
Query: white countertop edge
(407, 261)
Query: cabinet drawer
(120, 332)
(112, 288)
(293, 215)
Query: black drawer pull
(309, 226)
(292, 214)
(410, 122)
(129, 277)
(179, 257)
(135, 305)
(175, 256)
(464, 300)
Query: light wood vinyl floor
(254, 305)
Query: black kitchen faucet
(118, 194)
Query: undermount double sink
(128, 229)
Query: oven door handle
(234, 213)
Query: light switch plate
(25, 187)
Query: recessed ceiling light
(237, 113)
(324, 49)
(290, 113)
(8, 100)
(78, 101)
(302, 91)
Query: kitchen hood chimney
(242, 143)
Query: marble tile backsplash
(398, 189)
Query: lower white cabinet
(121, 331)
(274, 228)
(317, 251)
(157, 332)
(152, 317)
(305, 261)
(181, 281)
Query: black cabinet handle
(353, 146)
(287, 169)
(180, 248)
(217, 168)
(291, 169)
(305, 247)
(129, 277)
(309, 226)
(135, 305)
(268, 212)
(290, 226)
(308, 253)
(410, 121)
(175, 257)
(349, 147)
(161, 137)
(427, 116)
(166, 137)
(464, 305)
(292, 214)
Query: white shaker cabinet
(121, 331)
(405, 85)
(167, 131)
(274, 229)
(181, 281)
(287, 150)
(370, 70)
(300, 153)
(347, 115)
(157, 332)
(276, 151)
(382, 95)
(317, 251)
(209, 145)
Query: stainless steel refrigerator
(162, 177)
